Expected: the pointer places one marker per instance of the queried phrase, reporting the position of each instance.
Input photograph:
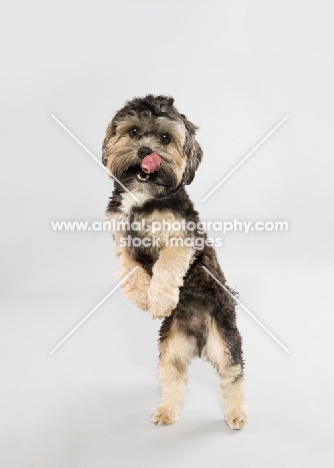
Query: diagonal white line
(245, 158)
(94, 157)
(95, 308)
(246, 310)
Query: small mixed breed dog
(151, 149)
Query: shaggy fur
(198, 315)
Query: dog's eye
(165, 138)
(133, 132)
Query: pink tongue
(151, 163)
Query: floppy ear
(109, 132)
(192, 150)
(193, 160)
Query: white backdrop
(235, 68)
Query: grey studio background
(235, 68)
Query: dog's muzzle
(150, 163)
(144, 151)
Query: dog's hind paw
(164, 416)
(236, 421)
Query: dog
(150, 149)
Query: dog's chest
(137, 222)
(129, 202)
(159, 224)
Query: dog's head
(150, 145)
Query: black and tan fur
(198, 315)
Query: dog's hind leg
(176, 351)
(229, 365)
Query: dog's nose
(144, 151)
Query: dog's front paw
(161, 301)
(136, 288)
(163, 416)
(158, 311)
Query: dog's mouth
(149, 165)
(149, 171)
(142, 176)
(137, 172)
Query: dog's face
(145, 126)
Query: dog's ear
(109, 132)
(193, 161)
(192, 150)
